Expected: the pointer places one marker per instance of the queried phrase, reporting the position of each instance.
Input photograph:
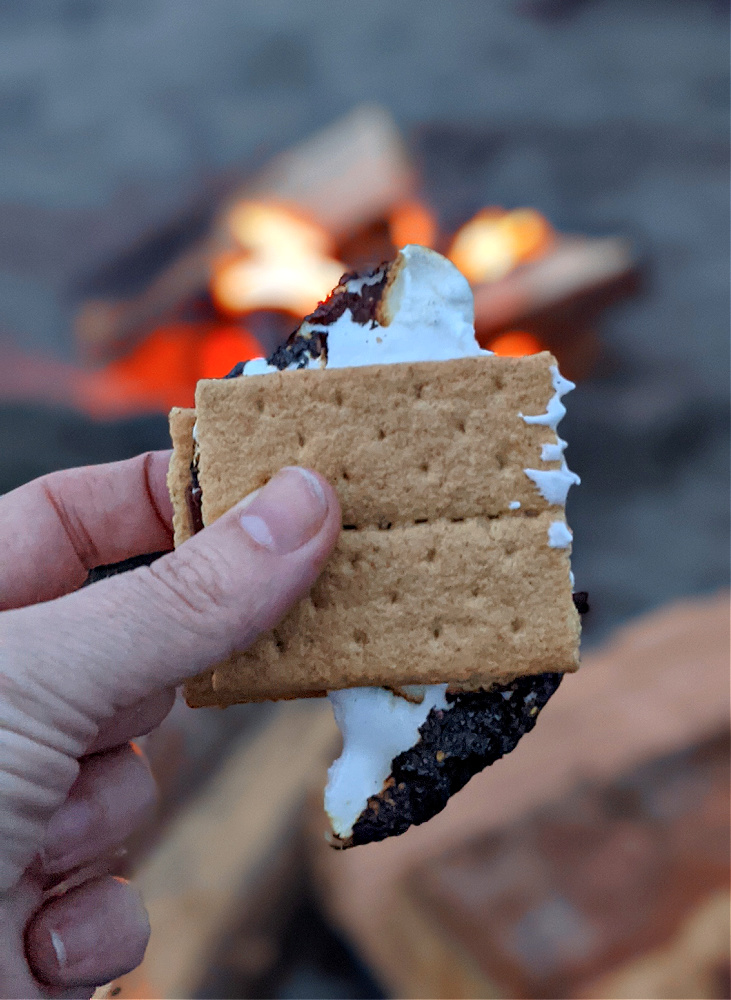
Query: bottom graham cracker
(472, 603)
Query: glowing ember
(412, 222)
(530, 233)
(494, 242)
(515, 344)
(157, 374)
(222, 348)
(163, 370)
(284, 263)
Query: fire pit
(277, 249)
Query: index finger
(55, 529)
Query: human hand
(84, 671)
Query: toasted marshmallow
(417, 308)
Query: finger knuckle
(194, 583)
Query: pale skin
(83, 672)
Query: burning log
(576, 267)
(557, 298)
(346, 175)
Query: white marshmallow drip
(553, 452)
(553, 484)
(432, 319)
(556, 411)
(377, 726)
(559, 536)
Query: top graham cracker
(438, 579)
(401, 443)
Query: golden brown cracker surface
(437, 579)
(181, 431)
(476, 602)
(400, 443)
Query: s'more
(445, 617)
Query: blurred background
(180, 182)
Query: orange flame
(494, 241)
(270, 226)
(158, 373)
(163, 370)
(515, 344)
(283, 260)
(284, 263)
(223, 348)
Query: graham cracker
(400, 443)
(435, 578)
(181, 432)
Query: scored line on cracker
(390, 439)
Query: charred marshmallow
(418, 308)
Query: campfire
(347, 199)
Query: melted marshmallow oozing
(432, 319)
(553, 484)
(559, 535)
(377, 726)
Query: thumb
(70, 663)
(111, 644)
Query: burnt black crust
(363, 304)
(479, 729)
(301, 348)
(298, 350)
(238, 369)
(581, 601)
